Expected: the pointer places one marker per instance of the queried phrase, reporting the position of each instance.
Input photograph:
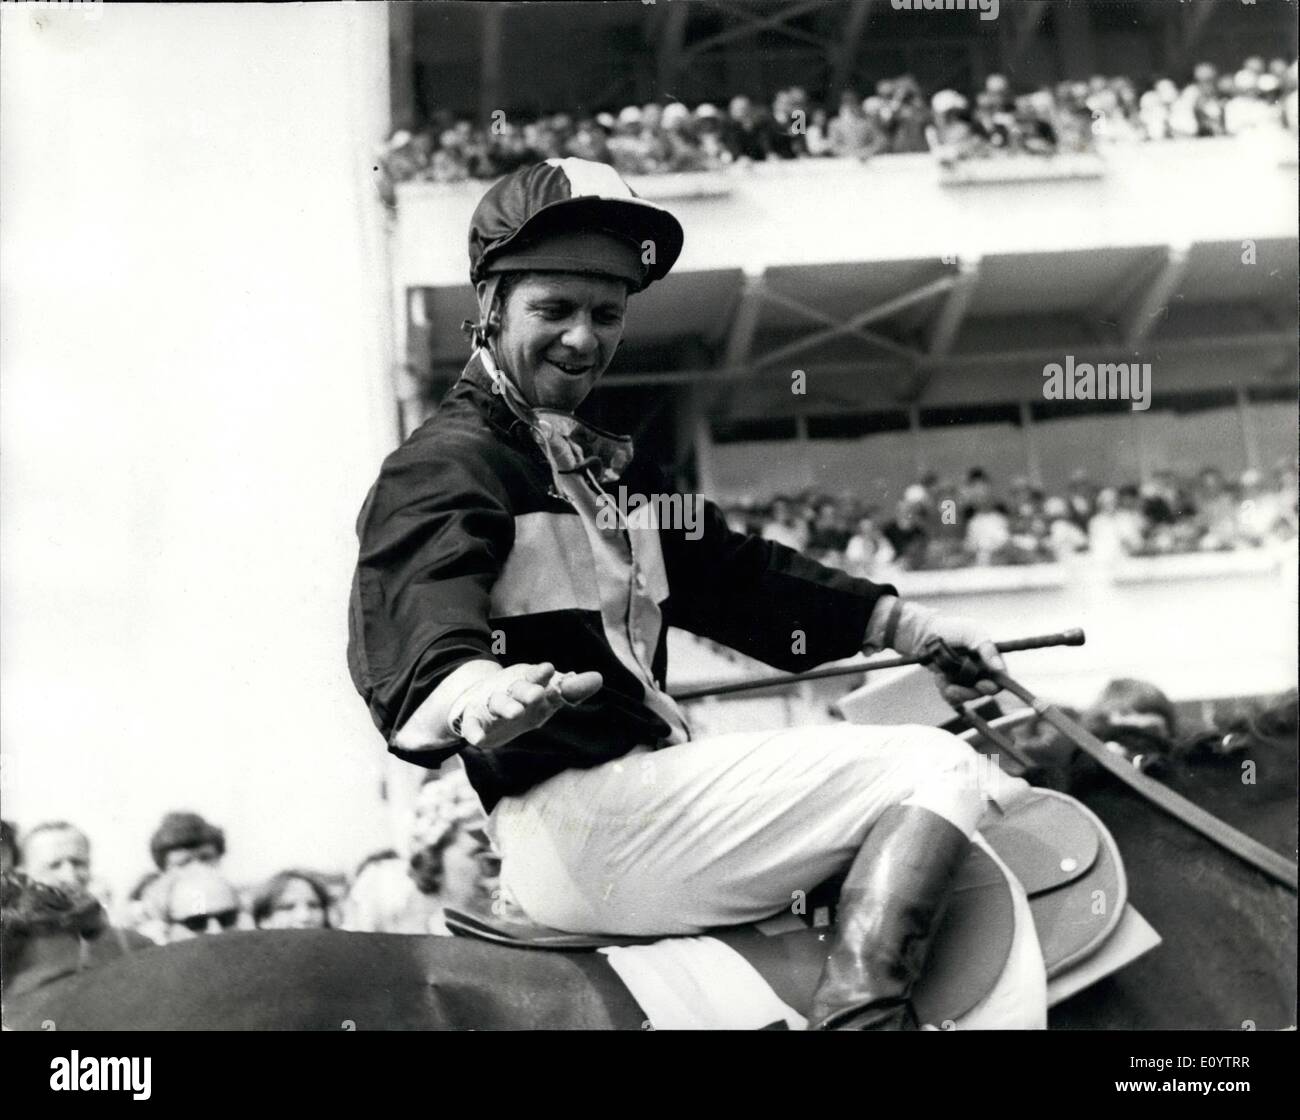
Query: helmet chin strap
(483, 336)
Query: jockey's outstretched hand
(519, 698)
(915, 626)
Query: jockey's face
(558, 333)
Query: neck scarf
(570, 445)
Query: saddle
(1059, 851)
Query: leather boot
(888, 912)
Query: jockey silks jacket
(472, 546)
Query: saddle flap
(506, 925)
(1046, 843)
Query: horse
(1227, 960)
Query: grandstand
(917, 311)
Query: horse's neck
(1254, 793)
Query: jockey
(506, 608)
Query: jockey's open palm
(519, 699)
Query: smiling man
(497, 613)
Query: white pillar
(196, 397)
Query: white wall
(194, 400)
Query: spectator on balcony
(1117, 528)
(786, 527)
(449, 163)
(1216, 511)
(1081, 494)
(1247, 109)
(947, 528)
(589, 141)
(1164, 501)
(1110, 118)
(1036, 123)
(1023, 500)
(1184, 123)
(1154, 109)
(988, 530)
(749, 133)
(1210, 110)
(1261, 512)
(977, 492)
(853, 134)
(1064, 537)
(788, 127)
(1076, 120)
(292, 900)
(679, 146)
(1029, 526)
(998, 91)
(818, 140)
(909, 118)
(907, 535)
(951, 136)
(868, 552)
(828, 537)
(625, 145)
(710, 132)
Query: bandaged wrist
(899, 626)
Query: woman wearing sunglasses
(200, 900)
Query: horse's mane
(1270, 729)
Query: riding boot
(888, 912)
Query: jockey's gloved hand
(517, 699)
(909, 627)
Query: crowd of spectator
(187, 892)
(938, 523)
(1070, 116)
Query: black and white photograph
(665, 515)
